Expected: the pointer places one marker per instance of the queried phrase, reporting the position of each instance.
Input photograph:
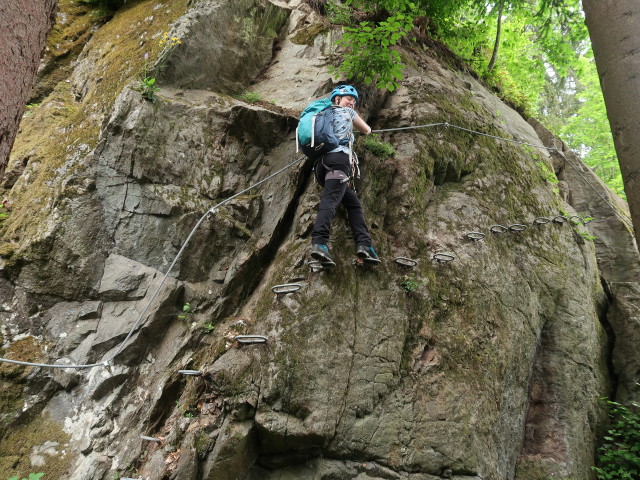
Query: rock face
(489, 366)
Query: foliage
(619, 456)
(375, 145)
(30, 108)
(208, 327)
(338, 13)
(104, 8)
(32, 476)
(186, 311)
(547, 173)
(148, 88)
(585, 126)
(369, 56)
(249, 97)
(543, 61)
(4, 212)
(409, 284)
(147, 85)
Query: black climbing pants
(331, 175)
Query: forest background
(536, 54)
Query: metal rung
(579, 220)
(251, 339)
(541, 221)
(150, 439)
(286, 288)
(406, 262)
(498, 229)
(560, 219)
(475, 236)
(517, 227)
(443, 257)
(190, 372)
(315, 266)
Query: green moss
(18, 446)
(202, 444)
(375, 145)
(63, 128)
(74, 26)
(307, 36)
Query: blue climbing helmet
(342, 90)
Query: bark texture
(613, 27)
(23, 31)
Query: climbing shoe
(368, 255)
(321, 253)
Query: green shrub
(619, 457)
(32, 476)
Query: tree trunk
(613, 28)
(24, 25)
(496, 45)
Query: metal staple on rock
(541, 220)
(315, 266)
(517, 227)
(498, 229)
(406, 262)
(494, 229)
(286, 288)
(251, 339)
(443, 257)
(475, 236)
(138, 321)
(195, 373)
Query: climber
(334, 171)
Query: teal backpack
(314, 135)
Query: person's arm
(361, 125)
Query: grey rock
(124, 278)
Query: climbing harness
(440, 257)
